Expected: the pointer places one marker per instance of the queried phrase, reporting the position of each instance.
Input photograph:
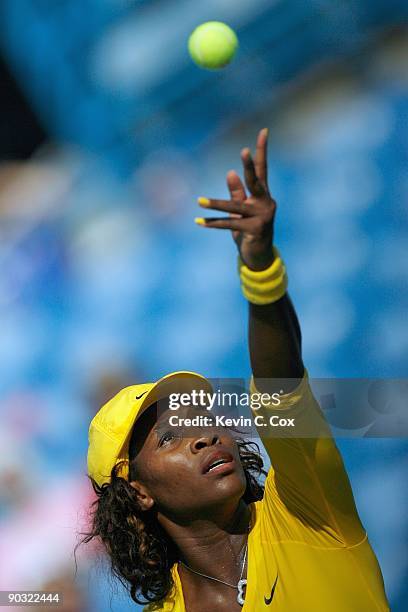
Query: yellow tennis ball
(212, 45)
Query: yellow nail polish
(204, 201)
(266, 130)
(199, 221)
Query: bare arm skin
(274, 330)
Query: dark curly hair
(140, 551)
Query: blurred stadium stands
(108, 134)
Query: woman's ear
(145, 501)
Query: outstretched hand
(251, 218)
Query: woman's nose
(204, 441)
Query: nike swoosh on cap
(139, 396)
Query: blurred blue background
(108, 135)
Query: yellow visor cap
(111, 427)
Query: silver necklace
(241, 584)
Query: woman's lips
(222, 468)
(218, 461)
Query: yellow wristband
(265, 286)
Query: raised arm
(274, 331)
(307, 484)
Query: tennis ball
(212, 45)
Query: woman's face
(186, 472)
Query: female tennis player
(183, 515)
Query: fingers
(239, 208)
(252, 181)
(229, 206)
(261, 162)
(228, 223)
(235, 186)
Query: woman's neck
(213, 546)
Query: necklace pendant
(241, 586)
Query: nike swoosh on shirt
(268, 600)
(139, 396)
